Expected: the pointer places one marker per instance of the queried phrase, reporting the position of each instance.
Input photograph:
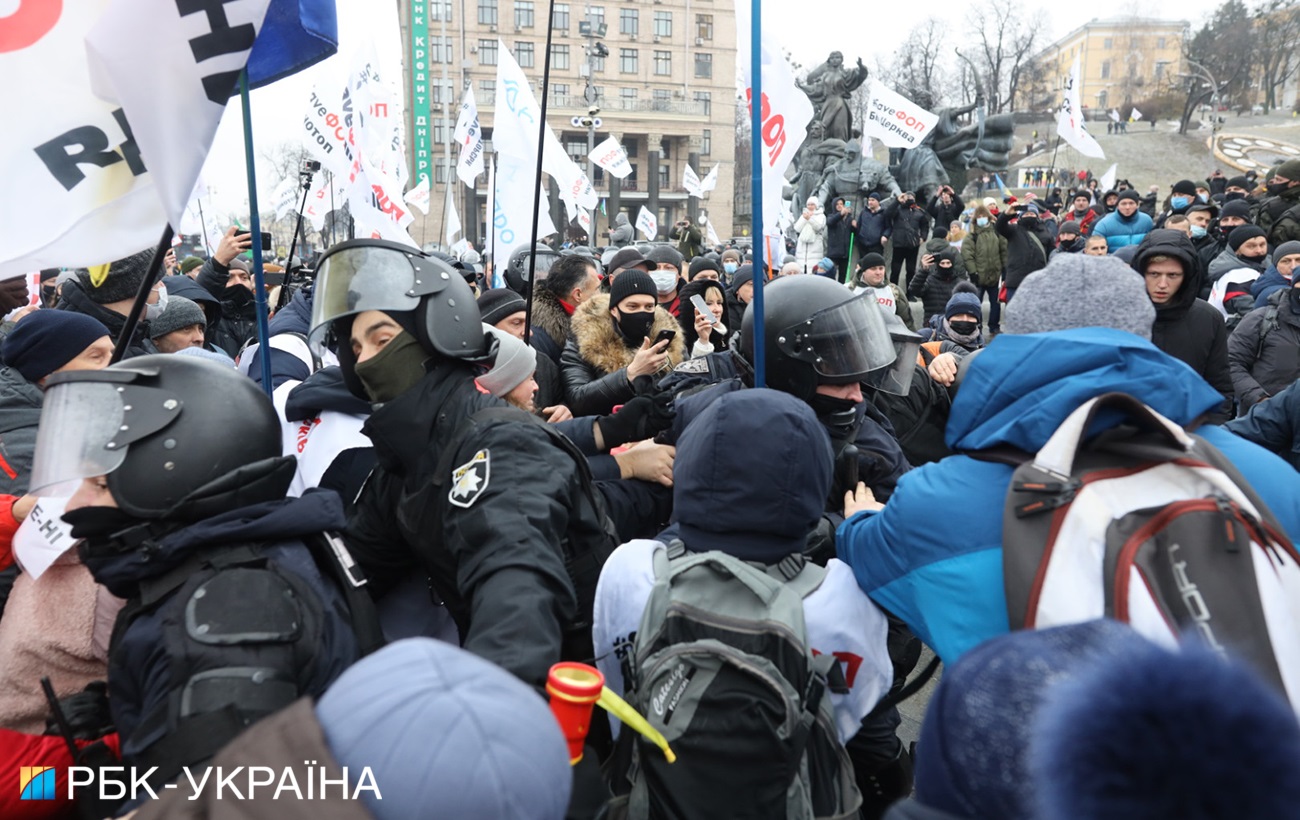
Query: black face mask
(1275, 188)
(238, 297)
(98, 522)
(1229, 197)
(1254, 259)
(964, 328)
(634, 327)
(838, 416)
(1030, 222)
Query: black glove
(641, 418)
(86, 712)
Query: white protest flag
(710, 234)
(895, 120)
(318, 202)
(1114, 114)
(185, 75)
(470, 137)
(1108, 178)
(647, 224)
(419, 195)
(610, 156)
(453, 222)
(691, 182)
(1137, 115)
(513, 209)
(285, 196)
(514, 132)
(43, 537)
(1069, 120)
(710, 181)
(326, 126)
(584, 220)
(374, 193)
(784, 109)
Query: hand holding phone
(702, 308)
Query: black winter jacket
(1264, 351)
(1026, 250)
(491, 532)
(945, 215)
(76, 300)
(1186, 327)
(911, 226)
(873, 227)
(595, 359)
(1274, 424)
(932, 288)
(838, 229)
(238, 309)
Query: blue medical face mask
(1178, 202)
(982, 221)
(730, 267)
(1198, 231)
(1203, 197)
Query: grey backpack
(722, 667)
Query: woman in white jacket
(811, 229)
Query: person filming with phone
(228, 278)
(616, 339)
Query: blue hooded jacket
(1267, 284)
(933, 555)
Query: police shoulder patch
(696, 365)
(469, 480)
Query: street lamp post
(593, 48)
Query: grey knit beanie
(180, 313)
(515, 362)
(1081, 291)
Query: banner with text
(895, 120)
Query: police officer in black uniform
(487, 501)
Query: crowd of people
(374, 562)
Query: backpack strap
(1266, 327)
(333, 554)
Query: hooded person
(1143, 732)
(1264, 349)
(108, 297)
(1126, 225)
(791, 475)
(973, 756)
(1286, 258)
(1279, 214)
(1083, 329)
(622, 234)
(810, 230)
(56, 623)
(167, 512)
(229, 280)
(704, 334)
(448, 478)
(1246, 248)
(1186, 327)
(933, 284)
(614, 342)
(420, 727)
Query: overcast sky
(815, 27)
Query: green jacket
(1280, 217)
(984, 252)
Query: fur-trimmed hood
(600, 344)
(549, 315)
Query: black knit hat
(1238, 207)
(871, 260)
(743, 274)
(1241, 233)
(497, 303)
(123, 279)
(703, 263)
(1239, 182)
(1129, 193)
(1068, 226)
(1185, 186)
(630, 283)
(46, 340)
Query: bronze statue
(829, 86)
(854, 176)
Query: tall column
(653, 147)
(613, 204)
(693, 160)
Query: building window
(441, 171)
(440, 49)
(487, 92)
(487, 52)
(706, 142)
(524, 54)
(629, 22)
(560, 19)
(630, 145)
(596, 16)
(577, 150)
(705, 100)
(1102, 99)
(1105, 70)
(663, 63)
(664, 183)
(559, 56)
(663, 99)
(704, 26)
(487, 12)
(597, 63)
(523, 13)
(1160, 42)
(440, 10)
(627, 99)
(627, 60)
(663, 24)
(441, 91)
(704, 66)
(560, 95)
(1108, 43)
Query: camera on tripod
(309, 167)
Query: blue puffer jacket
(1274, 424)
(933, 555)
(1120, 232)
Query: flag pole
(756, 165)
(255, 225)
(537, 178)
(203, 223)
(142, 295)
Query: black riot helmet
(816, 331)
(516, 273)
(426, 295)
(152, 426)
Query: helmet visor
(897, 377)
(844, 342)
(353, 280)
(76, 437)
